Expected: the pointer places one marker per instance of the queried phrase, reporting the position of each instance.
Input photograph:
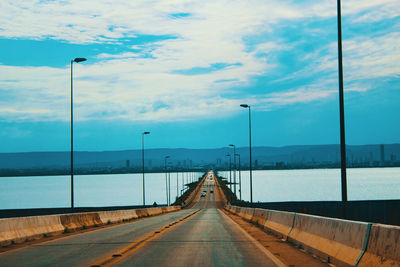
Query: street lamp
(234, 167)
(169, 186)
(144, 197)
(240, 179)
(251, 173)
(77, 60)
(230, 171)
(341, 108)
(177, 184)
(166, 177)
(183, 183)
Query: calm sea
(126, 189)
(320, 184)
(90, 190)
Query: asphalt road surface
(208, 238)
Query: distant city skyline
(129, 161)
(181, 70)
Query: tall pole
(169, 188)
(77, 60)
(144, 203)
(72, 141)
(183, 183)
(230, 171)
(234, 168)
(341, 107)
(144, 196)
(251, 162)
(166, 178)
(177, 184)
(240, 180)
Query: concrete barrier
(259, 216)
(383, 246)
(220, 191)
(246, 213)
(186, 203)
(338, 241)
(170, 209)
(154, 211)
(19, 229)
(279, 223)
(165, 209)
(236, 210)
(115, 216)
(76, 221)
(142, 213)
(241, 211)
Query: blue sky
(180, 69)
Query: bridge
(206, 232)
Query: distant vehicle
(203, 194)
(211, 191)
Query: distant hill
(181, 158)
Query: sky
(180, 69)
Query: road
(207, 238)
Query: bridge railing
(21, 229)
(341, 242)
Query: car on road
(203, 194)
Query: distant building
(382, 153)
(127, 164)
(219, 162)
(280, 164)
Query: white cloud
(126, 85)
(368, 58)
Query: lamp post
(166, 178)
(251, 172)
(341, 108)
(144, 196)
(169, 188)
(240, 180)
(177, 184)
(230, 171)
(234, 167)
(77, 60)
(183, 183)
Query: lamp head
(146, 132)
(228, 155)
(166, 157)
(79, 59)
(232, 145)
(244, 105)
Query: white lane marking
(258, 245)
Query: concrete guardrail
(383, 247)
(21, 229)
(193, 194)
(340, 242)
(259, 217)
